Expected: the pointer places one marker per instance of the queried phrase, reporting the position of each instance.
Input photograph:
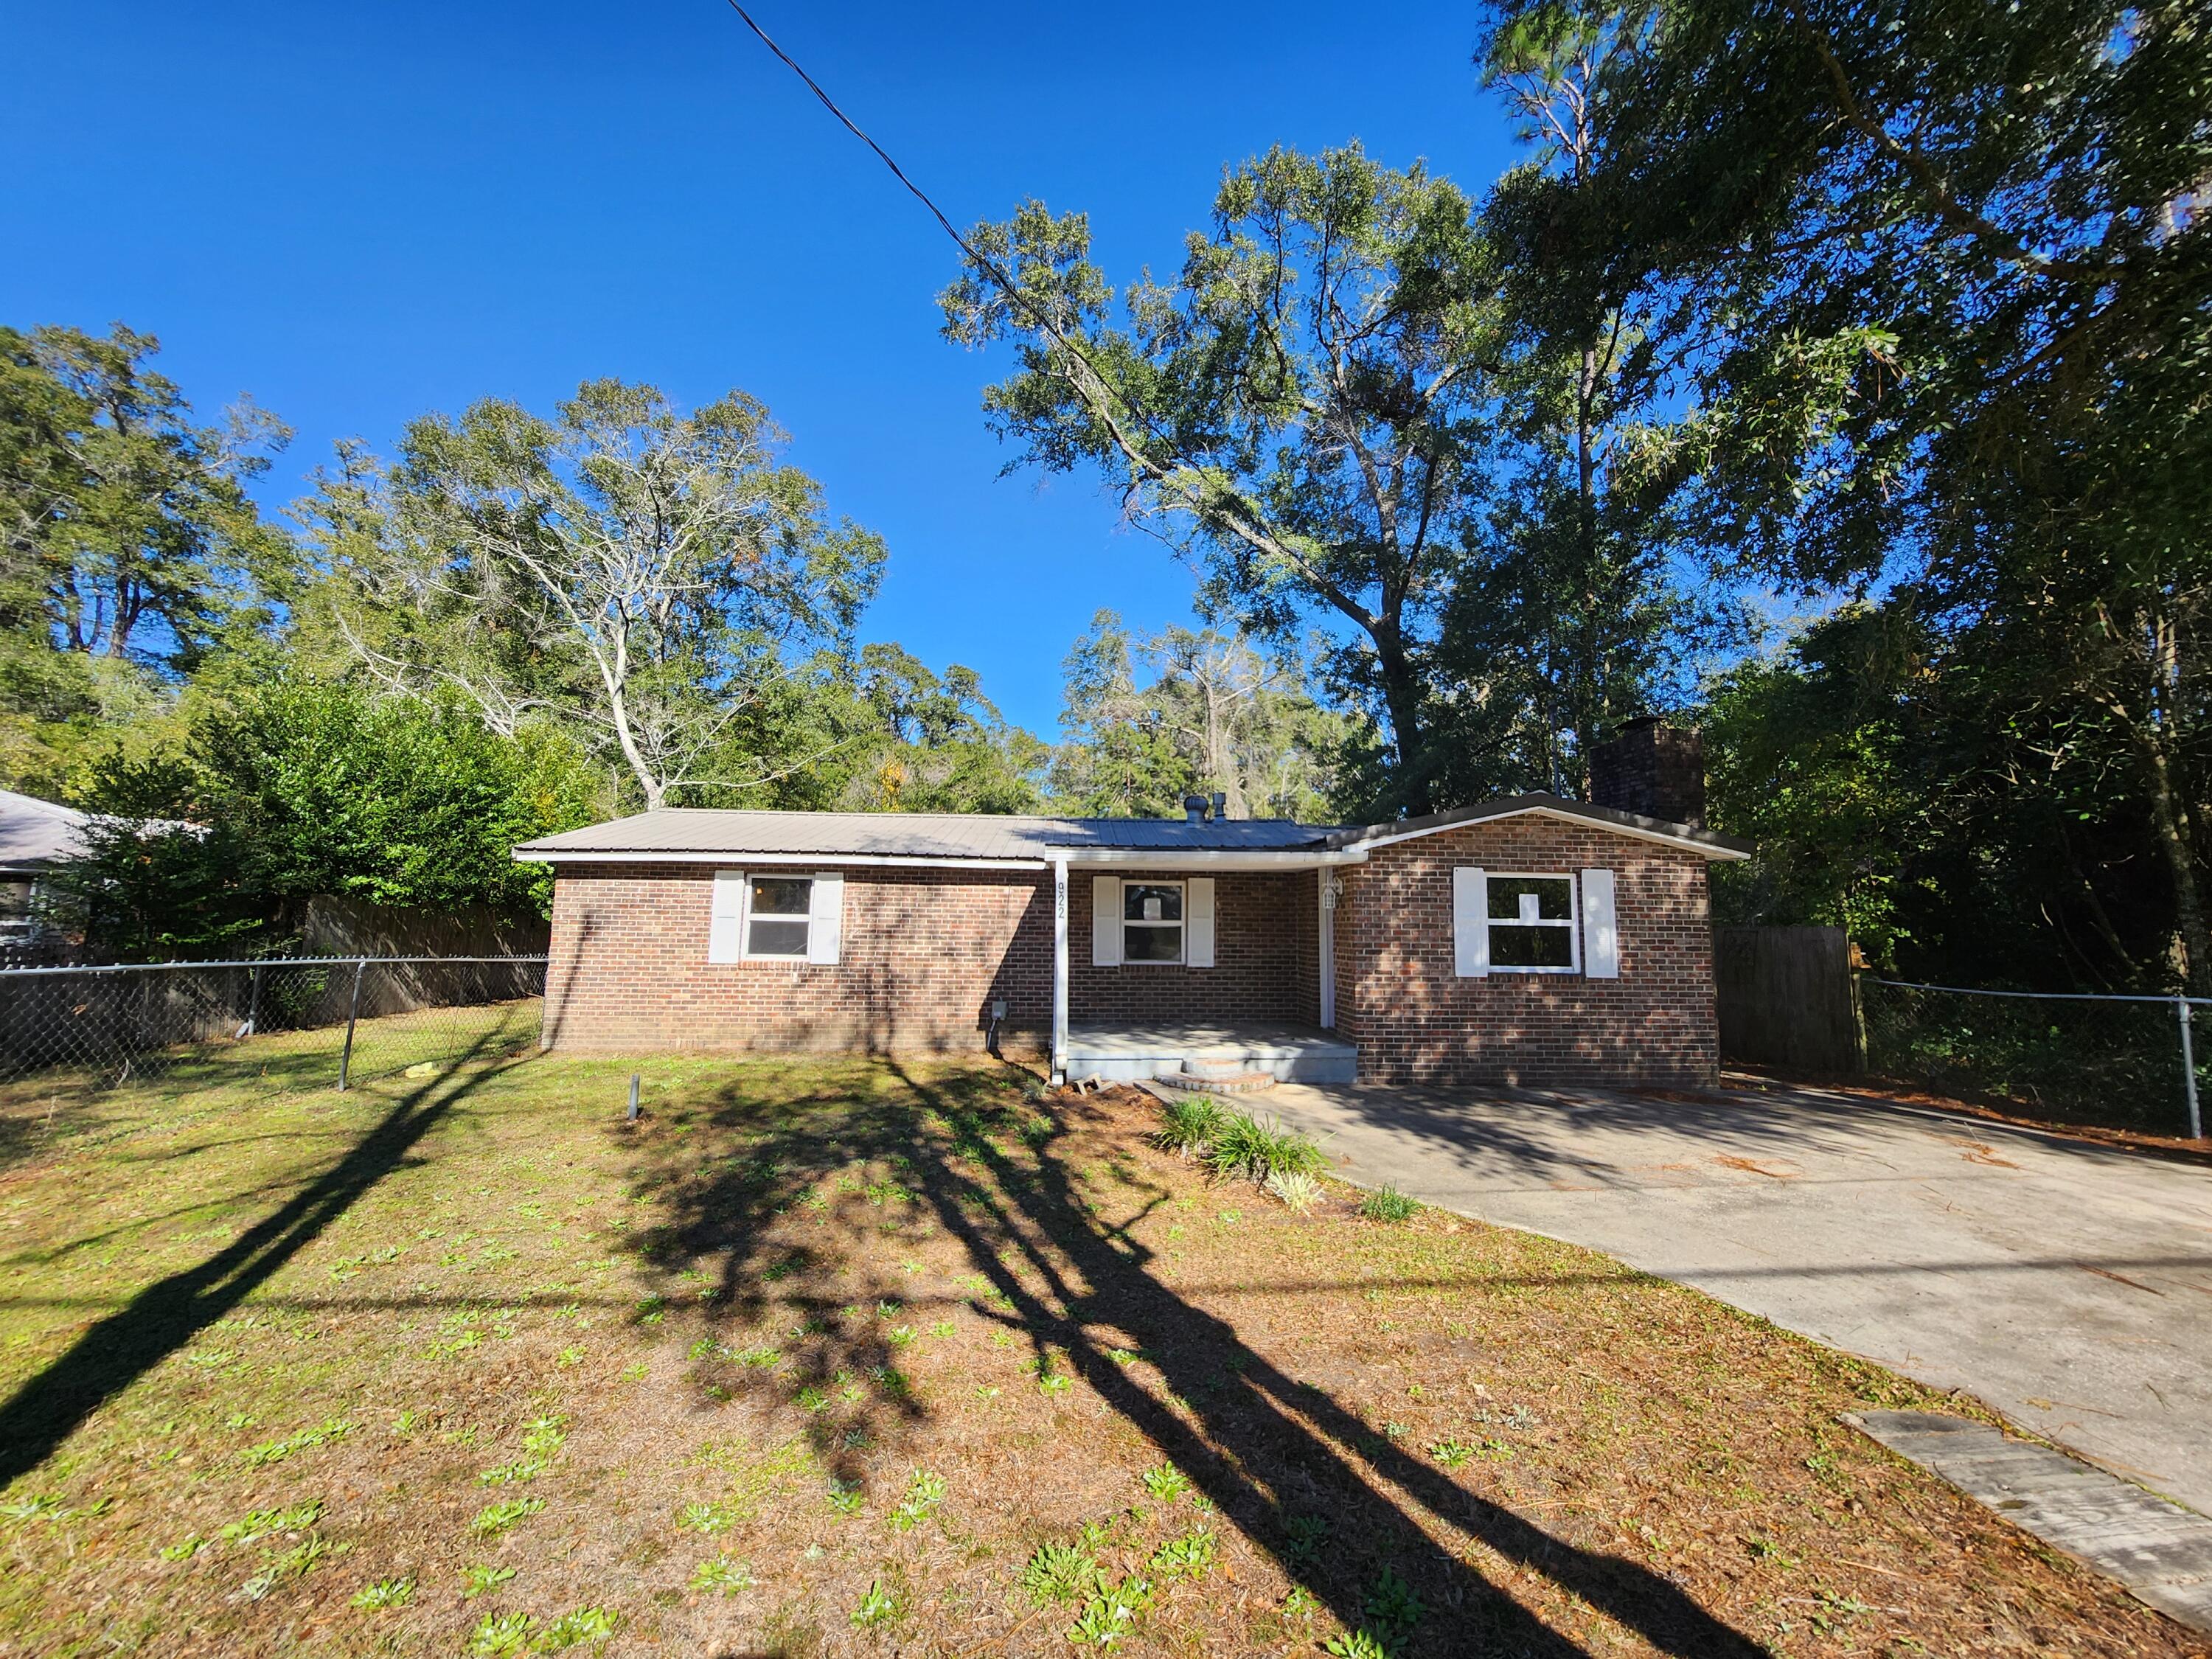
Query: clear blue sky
(358, 214)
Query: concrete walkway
(2069, 1285)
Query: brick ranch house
(1531, 939)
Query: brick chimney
(1650, 768)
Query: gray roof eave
(1710, 843)
(950, 840)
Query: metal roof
(677, 829)
(684, 833)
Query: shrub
(1389, 1204)
(1296, 1191)
(1191, 1125)
(1256, 1148)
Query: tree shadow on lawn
(78, 1105)
(1264, 1447)
(169, 1314)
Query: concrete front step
(1136, 1054)
(1223, 1066)
(1212, 1083)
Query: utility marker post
(1057, 1067)
(353, 1014)
(2189, 1070)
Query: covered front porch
(1220, 965)
(1288, 1052)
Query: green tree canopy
(128, 548)
(1938, 287)
(1148, 719)
(299, 788)
(647, 574)
(125, 530)
(1296, 412)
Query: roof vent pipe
(1220, 802)
(1193, 808)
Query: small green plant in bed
(1255, 1149)
(1295, 1190)
(1389, 1204)
(1059, 1572)
(1191, 1125)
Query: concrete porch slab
(1137, 1053)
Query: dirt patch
(2180, 1146)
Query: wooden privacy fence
(1788, 999)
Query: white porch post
(1326, 932)
(1060, 970)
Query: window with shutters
(1152, 921)
(778, 916)
(1532, 924)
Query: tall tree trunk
(616, 683)
(2171, 822)
(2153, 729)
(1402, 697)
(1589, 700)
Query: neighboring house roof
(697, 835)
(35, 834)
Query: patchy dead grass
(841, 1357)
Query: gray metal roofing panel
(712, 832)
(914, 834)
(1226, 834)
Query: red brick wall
(1265, 957)
(1416, 1021)
(924, 954)
(925, 951)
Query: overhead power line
(1097, 391)
(882, 154)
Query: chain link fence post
(2189, 1070)
(353, 1016)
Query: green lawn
(845, 1356)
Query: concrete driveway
(2067, 1285)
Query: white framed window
(1161, 922)
(779, 916)
(1152, 922)
(1506, 922)
(1533, 924)
(776, 915)
(1516, 922)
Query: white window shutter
(726, 931)
(1470, 923)
(826, 920)
(1198, 922)
(1105, 922)
(1600, 934)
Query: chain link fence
(287, 1024)
(2124, 1062)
